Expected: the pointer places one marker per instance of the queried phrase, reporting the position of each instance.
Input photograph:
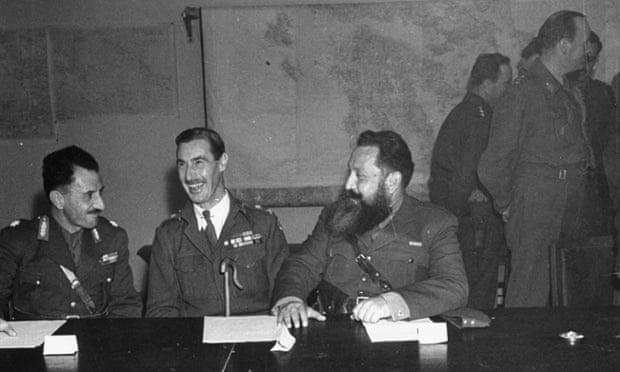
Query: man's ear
(57, 199)
(223, 162)
(564, 45)
(393, 181)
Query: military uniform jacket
(538, 122)
(30, 255)
(417, 252)
(460, 143)
(184, 272)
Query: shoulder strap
(367, 267)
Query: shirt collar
(218, 213)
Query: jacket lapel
(196, 237)
(230, 220)
(89, 256)
(56, 247)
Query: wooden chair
(582, 272)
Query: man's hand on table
(371, 310)
(6, 328)
(294, 312)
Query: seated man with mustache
(72, 263)
(376, 252)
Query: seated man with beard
(376, 252)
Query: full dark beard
(350, 215)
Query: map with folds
(52, 74)
(301, 82)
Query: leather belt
(569, 171)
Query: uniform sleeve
(501, 155)
(466, 175)
(301, 271)
(8, 269)
(163, 288)
(446, 287)
(611, 155)
(125, 301)
(277, 251)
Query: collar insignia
(44, 228)
(96, 236)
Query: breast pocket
(251, 270)
(36, 288)
(191, 273)
(403, 263)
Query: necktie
(210, 230)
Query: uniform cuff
(284, 300)
(397, 305)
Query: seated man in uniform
(72, 263)
(214, 231)
(376, 252)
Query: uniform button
(360, 293)
(109, 280)
(72, 304)
(410, 260)
(369, 258)
(38, 282)
(364, 279)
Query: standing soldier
(538, 155)
(454, 182)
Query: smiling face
(79, 204)
(365, 176)
(200, 173)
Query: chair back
(582, 272)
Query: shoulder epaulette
(174, 216)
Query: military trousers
(546, 206)
(481, 237)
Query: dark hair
(531, 49)
(394, 153)
(560, 25)
(486, 67)
(211, 136)
(595, 40)
(59, 167)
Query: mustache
(95, 211)
(350, 194)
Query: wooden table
(518, 340)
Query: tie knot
(206, 214)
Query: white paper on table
(284, 340)
(221, 329)
(424, 330)
(30, 333)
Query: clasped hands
(294, 312)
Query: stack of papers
(30, 334)
(424, 330)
